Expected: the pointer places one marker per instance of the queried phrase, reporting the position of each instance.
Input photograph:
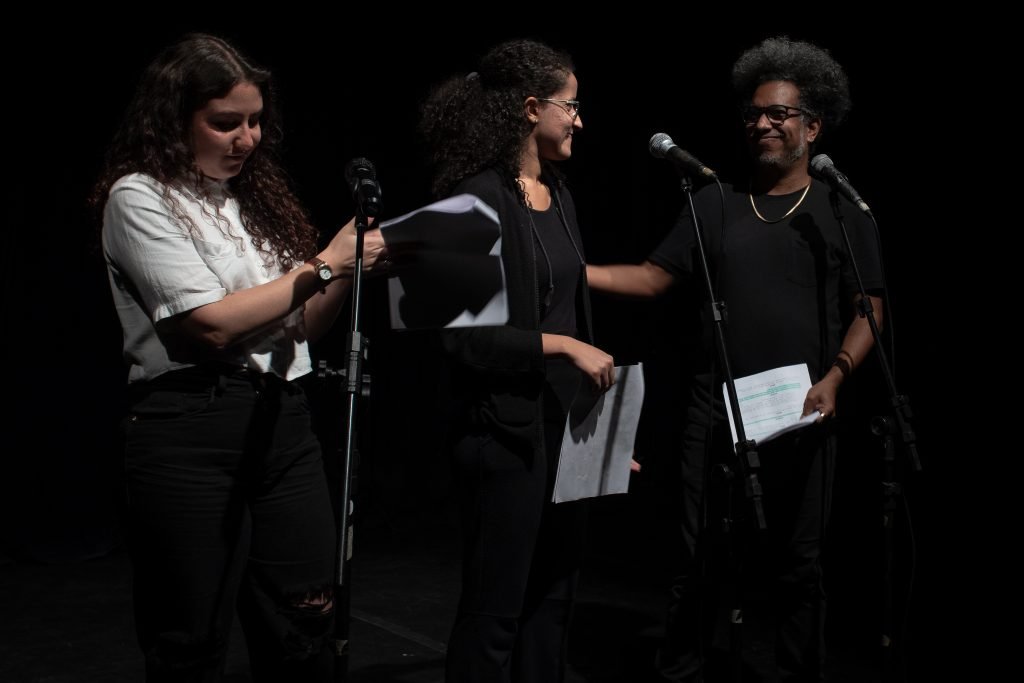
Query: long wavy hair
(155, 139)
(474, 122)
(824, 88)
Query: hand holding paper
(597, 449)
(771, 402)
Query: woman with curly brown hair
(495, 134)
(219, 287)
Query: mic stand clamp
(327, 373)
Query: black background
(350, 84)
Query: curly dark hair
(824, 89)
(474, 122)
(155, 139)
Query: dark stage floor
(72, 621)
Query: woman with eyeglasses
(497, 134)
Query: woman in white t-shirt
(219, 288)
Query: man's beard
(784, 159)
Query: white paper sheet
(448, 266)
(771, 402)
(600, 433)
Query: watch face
(324, 271)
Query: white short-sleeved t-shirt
(158, 268)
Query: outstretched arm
(645, 280)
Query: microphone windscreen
(360, 168)
(821, 162)
(660, 144)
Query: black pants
(796, 475)
(227, 498)
(522, 554)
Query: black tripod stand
(747, 463)
(893, 430)
(362, 179)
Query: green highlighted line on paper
(771, 402)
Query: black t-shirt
(558, 272)
(788, 286)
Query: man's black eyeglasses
(776, 113)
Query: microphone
(361, 178)
(662, 147)
(824, 169)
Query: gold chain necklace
(785, 215)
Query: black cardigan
(499, 370)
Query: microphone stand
(747, 460)
(355, 347)
(884, 427)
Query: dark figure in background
(782, 269)
(217, 281)
(495, 134)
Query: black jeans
(227, 499)
(796, 475)
(521, 556)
